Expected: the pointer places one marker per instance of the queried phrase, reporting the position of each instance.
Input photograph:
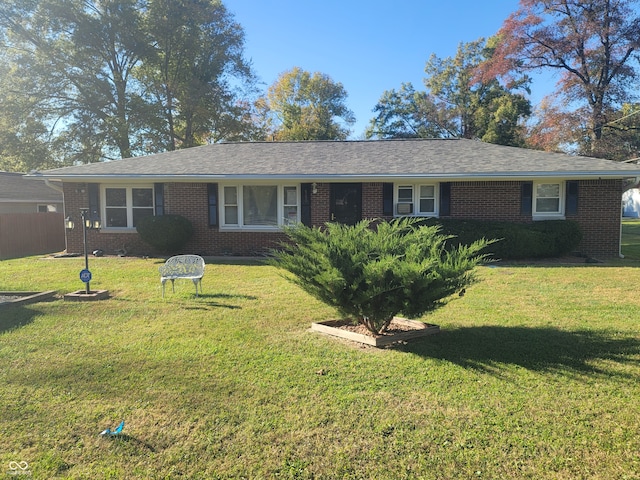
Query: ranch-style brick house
(238, 195)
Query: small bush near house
(166, 233)
(370, 275)
(544, 239)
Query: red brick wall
(498, 201)
(599, 210)
(599, 207)
(76, 196)
(320, 200)
(599, 215)
(372, 201)
(186, 199)
(321, 208)
(190, 200)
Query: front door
(346, 203)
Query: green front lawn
(535, 375)
(631, 238)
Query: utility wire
(622, 118)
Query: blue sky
(368, 46)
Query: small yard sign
(85, 275)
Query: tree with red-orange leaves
(592, 44)
(555, 129)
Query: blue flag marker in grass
(109, 432)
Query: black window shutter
(571, 206)
(158, 191)
(212, 196)
(94, 201)
(305, 205)
(387, 199)
(526, 198)
(445, 199)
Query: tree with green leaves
(308, 106)
(592, 44)
(24, 139)
(371, 274)
(79, 58)
(197, 51)
(118, 78)
(621, 134)
(405, 113)
(455, 104)
(481, 108)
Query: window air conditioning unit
(404, 208)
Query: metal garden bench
(189, 267)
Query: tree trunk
(372, 325)
(597, 123)
(122, 124)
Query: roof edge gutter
(57, 188)
(326, 178)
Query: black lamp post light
(85, 274)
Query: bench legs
(196, 281)
(173, 287)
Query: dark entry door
(346, 203)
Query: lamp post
(83, 213)
(85, 275)
(87, 223)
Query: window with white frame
(427, 200)
(548, 199)
(123, 207)
(404, 195)
(259, 206)
(230, 202)
(416, 200)
(47, 208)
(290, 205)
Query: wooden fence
(24, 234)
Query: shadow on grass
(212, 300)
(12, 317)
(539, 349)
(130, 440)
(559, 263)
(223, 260)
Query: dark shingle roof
(15, 187)
(433, 158)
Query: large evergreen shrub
(372, 274)
(166, 233)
